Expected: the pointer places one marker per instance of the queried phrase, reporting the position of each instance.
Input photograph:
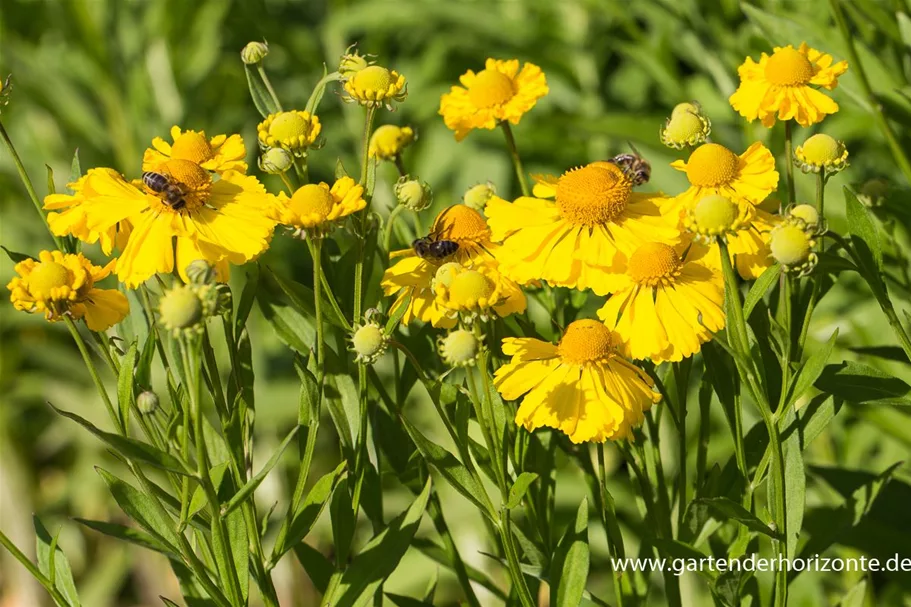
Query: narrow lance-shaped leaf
(569, 567)
(809, 372)
(142, 509)
(254, 482)
(731, 510)
(52, 562)
(519, 488)
(125, 395)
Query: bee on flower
(314, 209)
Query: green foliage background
(105, 76)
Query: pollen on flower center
(191, 146)
(194, 180)
(289, 126)
(653, 262)
(310, 200)
(715, 214)
(585, 341)
(46, 277)
(445, 273)
(372, 78)
(788, 67)
(460, 223)
(593, 194)
(469, 287)
(712, 165)
(490, 88)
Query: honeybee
(633, 166)
(427, 248)
(174, 192)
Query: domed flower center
(460, 347)
(683, 126)
(469, 287)
(788, 67)
(180, 308)
(685, 108)
(191, 146)
(445, 273)
(806, 213)
(821, 149)
(312, 200)
(47, 276)
(289, 127)
(653, 263)
(790, 245)
(460, 223)
(711, 165)
(594, 194)
(491, 88)
(368, 340)
(372, 78)
(192, 183)
(715, 214)
(585, 341)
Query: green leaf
(132, 449)
(340, 170)
(795, 485)
(315, 564)
(262, 99)
(125, 396)
(439, 555)
(810, 371)
(317, 95)
(51, 187)
(142, 509)
(128, 534)
(307, 513)
(569, 567)
(52, 562)
(15, 257)
(240, 548)
(406, 601)
(168, 602)
(518, 489)
(75, 167)
(677, 549)
(199, 499)
(346, 399)
(862, 228)
(260, 476)
(308, 403)
(860, 384)
(731, 510)
(760, 288)
(396, 316)
(379, 557)
(342, 517)
(247, 297)
(143, 375)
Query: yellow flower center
(469, 287)
(445, 273)
(194, 181)
(790, 245)
(289, 126)
(806, 213)
(477, 196)
(788, 67)
(711, 165)
(715, 214)
(372, 78)
(684, 108)
(46, 277)
(460, 347)
(191, 146)
(460, 223)
(585, 341)
(491, 88)
(821, 149)
(594, 194)
(368, 340)
(652, 263)
(310, 200)
(683, 126)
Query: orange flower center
(310, 200)
(711, 165)
(191, 146)
(594, 194)
(585, 341)
(46, 277)
(193, 180)
(653, 263)
(788, 67)
(460, 223)
(491, 88)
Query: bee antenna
(632, 147)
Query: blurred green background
(105, 76)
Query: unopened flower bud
(413, 194)
(460, 348)
(687, 126)
(201, 272)
(806, 213)
(254, 52)
(476, 197)
(181, 308)
(147, 402)
(352, 62)
(821, 152)
(368, 342)
(275, 161)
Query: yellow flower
(687, 126)
(792, 240)
(782, 86)
(219, 154)
(313, 208)
(498, 93)
(667, 307)
(821, 152)
(59, 285)
(294, 131)
(375, 86)
(68, 216)
(572, 241)
(389, 140)
(476, 196)
(413, 278)
(468, 293)
(715, 216)
(580, 386)
(714, 169)
(220, 221)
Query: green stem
(876, 107)
(287, 183)
(814, 296)
(516, 159)
(268, 84)
(789, 161)
(40, 577)
(622, 587)
(400, 165)
(86, 356)
(435, 510)
(390, 223)
(512, 560)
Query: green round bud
(369, 343)
(476, 197)
(254, 52)
(147, 402)
(201, 272)
(275, 161)
(413, 194)
(180, 308)
(460, 348)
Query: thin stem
(898, 151)
(512, 560)
(36, 573)
(814, 296)
(435, 510)
(789, 161)
(611, 528)
(83, 349)
(268, 84)
(400, 165)
(390, 223)
(287, 183)
(516, 159)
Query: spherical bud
(368, 342)
(687, 126)
(821, 152)
(715, 215)
(352, 62)
(460, 348)
(201, 272)
(147, 402)
(275, 161)
(476, 197)
(254, 52)
(792, 246)
(805, 213)
(181, 308)
(413, 194)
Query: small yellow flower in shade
(784, 86)
(460, 348)
(476, 197)
(665, 306)
(686, 127)
(388, 141)
(413, 194)
(254, 52)
(821, 152)
(294, 131)
(314, 209)
(58, 285)
(792, 246)
(415, 280)
(275, 161)
(375, 86)
(498, 93)
(572, 241)
(716, 215)
(468, 294)
(714, 169)
(581, 386)
(368, 342)
(218, 154)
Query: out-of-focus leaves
(52, 562)
(731, 510)
(254, 482)
(569, 567)
(142, 509)
(861, 384)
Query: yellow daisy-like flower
(468, 293)
(59, 285)
(714, 169)
(221, 221)
(781, 86)
(294, 131)
(820, 152)
(375, 86)
(498, 93)
(572, 241)
(314, 208)
(581, 386)
(667, 307)
(389, 140)
(219, 154)
(413, 277)
(68, 216)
